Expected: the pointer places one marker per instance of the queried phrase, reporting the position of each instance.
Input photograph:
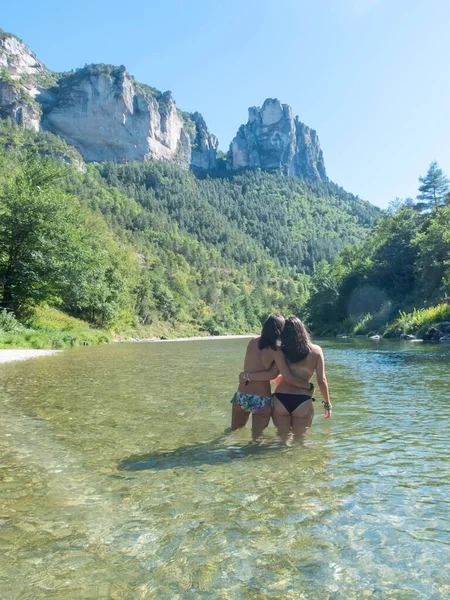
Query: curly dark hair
(271, 332)
(295, 340)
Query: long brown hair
(295, 340)
(271, 332)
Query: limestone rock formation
(274, 139)
(16, 105)
(98, 110)
(17, 58)
(101, 111)
(106, 115)
(204, 146)
(20, 72)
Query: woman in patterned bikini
(255, 397)
(293, 408)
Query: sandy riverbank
(22, 354)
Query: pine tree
(434, 188)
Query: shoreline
(196, 338)
(13, 354)
(8, 355)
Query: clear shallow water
(116, 480)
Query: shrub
(48, 328)
(52, 319)
(5, 75)
(374, 323)
(417, 321)
(9, 323)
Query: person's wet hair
(295, 340)
(271, 332)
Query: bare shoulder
(316, 349)
(267, 357)
(252, 346)
(268, 354)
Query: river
(117, 480)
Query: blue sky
(371, 76)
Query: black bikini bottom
(292, 401)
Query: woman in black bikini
(293, 411)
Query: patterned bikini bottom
(251, 403)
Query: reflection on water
(116, 480)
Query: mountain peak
(107, 115)
(274, 139)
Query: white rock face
(14, 106)
(271, 112)
(204, 146)
(16, 98)
(106, 119)
(106, 115)
(102, 112)
(274, 139)
(17, 58)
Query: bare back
(304, 369)
(257, 360)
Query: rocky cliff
(274, 139)
(20, 73)
(106, 115)
(99, 111)
(102, 111)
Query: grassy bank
(48, 328)
(394, 324)
(419, 321)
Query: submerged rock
(436, 331)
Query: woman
(255, 397)
(293, 409)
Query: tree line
(402, 266)
(70, 239)
(123, 246)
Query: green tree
(434, 188)
(38, 224)
(433, 262)
(320, 308)
(98, 285)
(149, 243)
(393, 253)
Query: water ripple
(117, 481)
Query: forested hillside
(398, 280)
(151, 248)
(297, 221)
(147, 245)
